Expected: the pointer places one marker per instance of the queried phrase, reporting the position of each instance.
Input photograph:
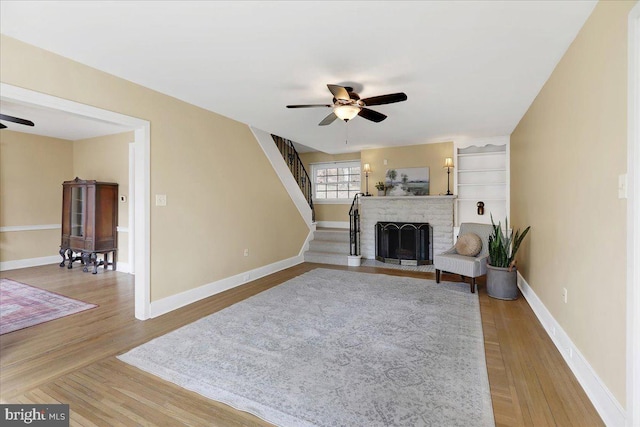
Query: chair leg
(437, 276)
(473, 285)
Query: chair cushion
(469, 244)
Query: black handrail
(354, 226)
(292, 159)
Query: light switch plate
(161, 200)
(622, 186)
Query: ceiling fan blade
(309, 105)
(2, 126)
(339, 92)
(385, 99)
(328, 120)
(374, 116)
(16, 120)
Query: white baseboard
(165, 305)
(123, 267)
(30, 262)
(606, 404)
(333, 224)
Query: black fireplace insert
(405, 243)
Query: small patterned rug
(23, 305)
(337, 348)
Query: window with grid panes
(336, 180)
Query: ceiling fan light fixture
(346, 112)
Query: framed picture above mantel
(407, 182)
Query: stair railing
(292, 159)
(354, 226)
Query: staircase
(329, 246)
(299, 173)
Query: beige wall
(411, 156)
(106, 158)
(32, 169)
(206, 164)
(566, 155)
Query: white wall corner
(270, 149)
(174, 302)
(605, 403)
(633, 219)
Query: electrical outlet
(161, 200)
(564, 295)
(246, 252)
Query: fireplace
(405, 243)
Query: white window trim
(323, 165)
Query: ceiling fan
(347, 104)
(14, 120)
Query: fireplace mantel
(436, 210)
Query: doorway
(139, 170)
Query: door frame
(139, 200)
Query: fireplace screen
(406, 243)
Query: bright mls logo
(34, 415)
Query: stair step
(326, 258)
(336, 235)
(331, 246)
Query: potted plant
(501, 266)
(381, 188)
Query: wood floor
(72, 360)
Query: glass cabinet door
(77, 211)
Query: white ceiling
(55, 123)
(470, 69)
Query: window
(335, 180)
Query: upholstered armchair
(469, 265)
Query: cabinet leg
(115, 259)
(86, 260)
(94, 259)
(70, 258)
(62, 253)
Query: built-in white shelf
(482, 175)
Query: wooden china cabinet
(89, 221)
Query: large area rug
(337, 348)
(22, 306)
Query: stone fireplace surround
(436, 210)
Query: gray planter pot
(502, 283)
